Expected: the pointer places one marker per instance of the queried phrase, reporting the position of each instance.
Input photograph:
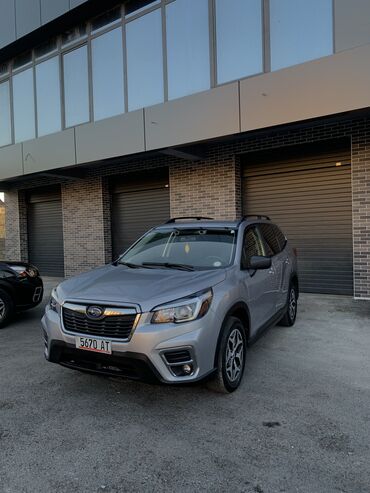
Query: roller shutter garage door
(45, 232)
(310, 199)
(136, 207)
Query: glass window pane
(300, 31)
(187, 47)
(134, 7)
(74, 34)
(24, 106)
(5, 124)
(76, 87)
(107, 73)
(48, 97)
(239, 39)
(106, 19)
(22, 60)
(145, 61)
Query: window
(24, 106)
(46, 48)
(252, 246)
(48, 97)
(106, 19)
(199, 248)
(273, 237)
(187, 47)
(136, 6)
(239, 39)
(22, 60)
(107, 74)
(5, 123)
(4, 69)
(145, 61)
(74, 34)
(76, 87)
(300, 31)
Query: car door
(274, 245)
(257, 285)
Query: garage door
(136, 207)
(310, 199)
(45, 232)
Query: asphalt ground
(300, 422)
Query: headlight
(54, 303)
(184, 310)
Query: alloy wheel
(234, 355)
(292, 304)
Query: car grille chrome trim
(116, 323)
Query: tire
(291, 310)
(6, 308)
(227, 378)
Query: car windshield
(183, 248)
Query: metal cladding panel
(45, 234)
(351, 23)
(49, 152)
(7, 22)
(135, 211)
(27, 16)
(193, 118)
(11, 161)
(327, 86)
(117, 136)
(310, 198)
(51, 9)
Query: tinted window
(107, 74)
(145, 61)
(187, 47)
(76, 87)
(252, 246)
(273, 237)
(300, 30)
(48, 97)
(239, 39)
(5, 124)
(24, 106)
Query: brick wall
(83, 225)
(208, 187)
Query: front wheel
(6, 308)
(291, 310)
(230, 357)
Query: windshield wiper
(169, 265)
(132, 266)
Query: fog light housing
(187, 369)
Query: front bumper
(145, 355)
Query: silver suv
(181, 304)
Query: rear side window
(274, 238)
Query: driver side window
(252, 245)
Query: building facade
(116, 116)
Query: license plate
(95, 345)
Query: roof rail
(197, 218)
(257, 216)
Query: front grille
(112, 327)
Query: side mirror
(258, 262)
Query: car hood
(144, 287)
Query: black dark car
(21, 288)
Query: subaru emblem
(94, 312)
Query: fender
(240, 310)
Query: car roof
(209, 224)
